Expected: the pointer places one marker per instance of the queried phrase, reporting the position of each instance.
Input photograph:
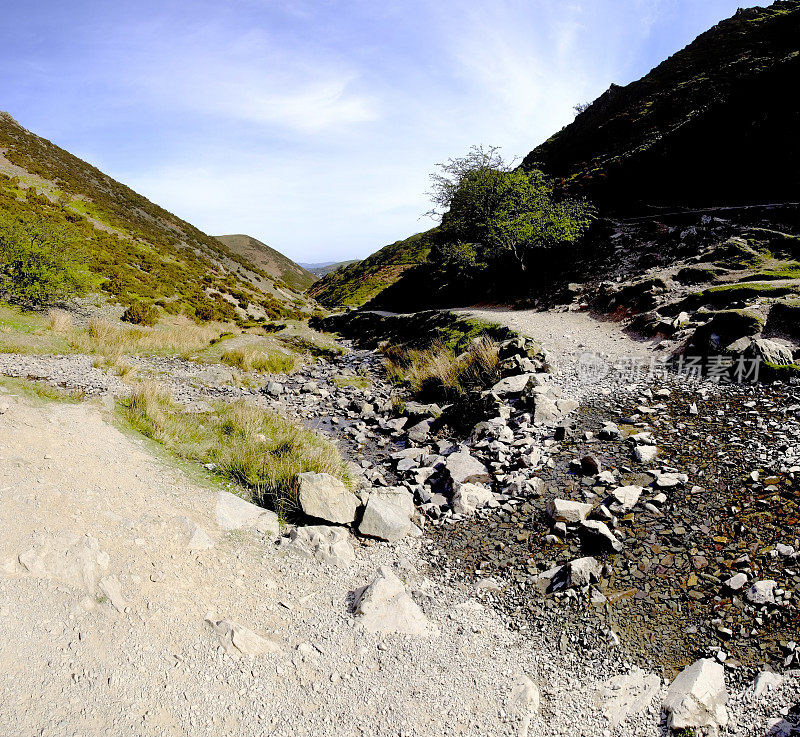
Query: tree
(40, 261)
(493, 214)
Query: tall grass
(438, 373)
(262, 451)
(254, 359)
(181, 335)
(59, 321)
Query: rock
(419, 432)
(325, 497)
(384, 520)
(469, 497)
(610, 431)
(626, 497)
(564, 510)
(627, 695)
(761, 592)
(697, 698)
(463, 468)
(385, 606)
(583, 572)
(645, 453)
(274, 388)
(524, 702)
(770, 351)
(590, 466)
(511, 385)
(234, 513)
(3, 407)
(735, 583)
(324, 543)
(766, 681)
(597, 534)
(238, 640)
(111, 588)
(545, 411)
(76, 560)
(198, 537)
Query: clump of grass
(311, 346)
(254, 359)
(438, 373)
(179, 336)
(262, 451)
(356, 382)
(40, 390)
(60, 321)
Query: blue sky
(313, 124)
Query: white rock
(736, 582)
(761, 592)
(697, 697)
(601, 535)
(238, 640)
(385, 606)
(470, 497)
(235, 513)
(463, 468)
(324, 543)
(564, 510)
(645, 453)
(199, 539)
(766, 681)
(511, 385)
(627, 695)
(325, 497)
(384, 520)
(584, 571)
(524, 702)
(110, 586)
(627, 496)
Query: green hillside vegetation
(139, 251)
(716, 123)
(354, 285)
(320, 270)
(269, 260)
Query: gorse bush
(41, 263)
(259, 450)
(140, 313)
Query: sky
(313, 125)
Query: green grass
(257, 449)
(38, 390)
(255, 359)
(356, 382)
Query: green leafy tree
(40, 262)
(493, 214)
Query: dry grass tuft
(60, 321)
(438, 373)
(260, 450)
(256, 359)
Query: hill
(714, 124)
(325, 268)
(273, 262)
(354, 285)
(140, 251)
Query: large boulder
(725, 328)
(385, 519)
(325, 497)
(697, 698)
(770, 351)
(234, 513)
(470, 497)
(464, 468)
(385, 606)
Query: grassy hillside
(714, 124)
(268, 259)
(140, 251)
(354, 285)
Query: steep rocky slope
(141, 251)
(714, 124)
(268, 259)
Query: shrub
(40, 263)
(141, 313)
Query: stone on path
(627, 496)
(384, 520)
(626, 695)
(327, 544)
(564, 510)
(598, 534)
(583, 572)
(235, 513)
(524, 702)
(645, 453)
(464, 468)
(325, 497)
(385, 606)
(761, 592)
(238, 640)
(470, 497)
(697, 698)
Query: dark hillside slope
(715, 124)
(141, 251)
(273, 262)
